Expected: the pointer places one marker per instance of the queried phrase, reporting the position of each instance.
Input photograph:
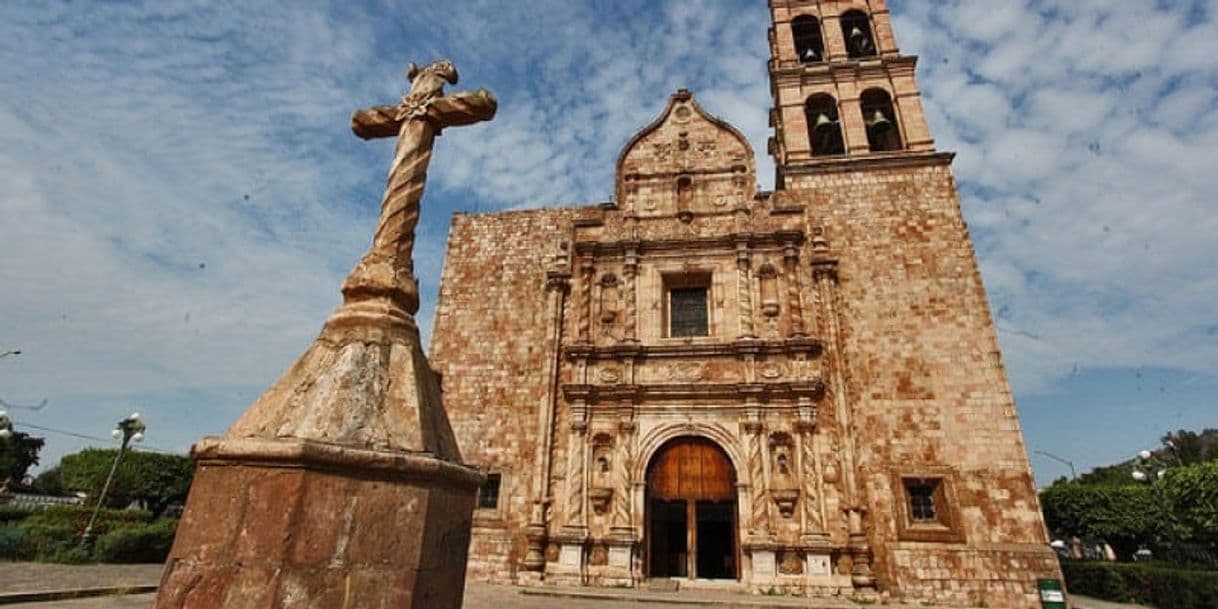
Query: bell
(860, 40)
(809, 54)
(824, 123)
(879, 122)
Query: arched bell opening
(824, 126)
(856, 29)
(809, 44)
(883, 132)
(691, 513)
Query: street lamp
(1050, 455)
(6, 425)
(128, 430)
(1144, 462)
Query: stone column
(631, 294)
(824, 271)
(557, 285)
(573, 536)
(795, 310)
(622, 536)
(744, 290)
(587, 273)
(759, 516)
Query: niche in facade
(600, 491)
(768, 277)
(784, 486)
(610, 298)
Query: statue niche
(784, 483)
(600, 487)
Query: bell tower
(842, 89)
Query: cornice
(592, 395)
(727, 241)
(803, 344)
(874, 160)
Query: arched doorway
(691, 512)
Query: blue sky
(182, 195)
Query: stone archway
(690, 507)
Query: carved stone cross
(388, 268)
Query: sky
(182, 195)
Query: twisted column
(756, 463)
(587, 271)
(621, 495)
(576, 464)
(794, 306)
(631, 294)
(744, 292)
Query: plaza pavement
(30, 577)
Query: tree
(18, 453)
(155, 480)
(1192, 495)
(1190, 448)
(1124, 516)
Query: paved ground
(25, 577)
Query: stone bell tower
(936, 490)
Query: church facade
(798, 390)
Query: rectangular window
(929, 513)
(688, 312)
(488, 493)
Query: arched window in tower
(883, 134)
(809, 45)
(824, 126)
(856, 29)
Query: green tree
(18, 453)
(1191, 448)
(50, 482)
(1191, 493)
(1124, 516)
(155, 480)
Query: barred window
(488, 493)
(687, 312)
(922, 502)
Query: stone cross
(388, 268)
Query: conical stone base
(341, 487)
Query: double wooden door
(691, 512)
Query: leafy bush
(1157, 585)
(1125, 516)
(147, 543)
(156, 480)
(13, 544)
(1192, 496)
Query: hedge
(53, 534)
(1160, 586)
(145, 543)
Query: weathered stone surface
(850, 354)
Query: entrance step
(708, 598)
(660, 585)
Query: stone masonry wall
(488, 343)
(927, 385)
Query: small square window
(687, 312)
(488, 493)
(929, 514)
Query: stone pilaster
(795, 310)
(744, 290)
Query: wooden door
(692, 475)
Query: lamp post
(6, 426)
(1050, 455)
(128, 430)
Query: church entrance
(691, 512)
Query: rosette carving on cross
(387, 269)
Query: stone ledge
(292, 452)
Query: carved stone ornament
(609, 376)
(785, 499)
(789, 563)
(688, 372)
(773, 370)
(600, 499)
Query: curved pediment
(686, 144)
